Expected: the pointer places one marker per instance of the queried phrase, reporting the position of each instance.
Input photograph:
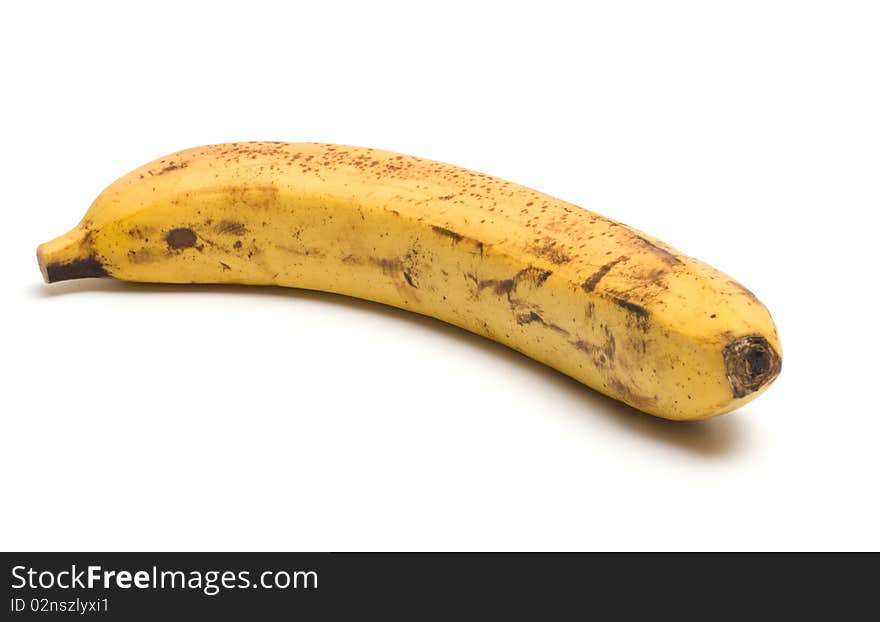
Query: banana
(606, 304)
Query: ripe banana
(608, 305)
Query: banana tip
(752, 364)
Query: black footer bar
(148, 586)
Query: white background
(743, 133)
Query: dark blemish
(751, 364)
(445, 197)
(480, 246)
(713, 316)
(600, 355)
(664, 254)
(629, 396)
(532, 316)
(610, 344)
(536, 275)
(632, 307)
(456, 237)
(225, 267)
(389, 266)
(557, 256)
(230, 227)
(655, 278)
(87, 268)
(136, 232)
(171, 167)
(237, 244)
(528, 318)
(550, 252)
(582, 345)
(142, 255)
(642, 315)
(590, 284)
(499, 287)
(351, 259)
(181, 238)
(403, 271)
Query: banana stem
(69, 257)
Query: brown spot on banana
(590, 284)
(665, 255)
(501, 287)
(549, 249)
(630, 396)
(498, 287)
(402, 271)
(534, 317)
(407, 275)
(534, 275)
(528, 318)
(172, 166)
(456, 237)
(180, 238)
(141, 233)
(641, 314)
(140, 255)
(600, 355)
(231, 227)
